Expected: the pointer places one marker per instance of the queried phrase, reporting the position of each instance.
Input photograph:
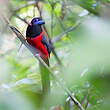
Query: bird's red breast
(37, 43)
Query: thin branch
(74, 99)
(59, 37)
(24, 20)
(63, 25)
(35, 53)
(63, 10)
(84, 98)
(87, 104)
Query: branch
(87, 104)
(63, 10)
(59, 37)
(24, 20)
(74, 99)
(84, 98)
(35, 53)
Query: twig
(24, 20)
(59, 37)
(63, 26)
(84, 98)
(74, 99)
(63, 10)
(87, 104)
(20, 47)
(35, 53)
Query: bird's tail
(45, 77)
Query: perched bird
(36, 37)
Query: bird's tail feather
(45, 77)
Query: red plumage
(36, 38)
(37, 43)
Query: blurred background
(80, 33)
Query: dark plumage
(33, 30)
(36, 37)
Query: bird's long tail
(45, 77)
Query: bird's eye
(35, 20)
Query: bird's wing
(46, 43)
(45, 33)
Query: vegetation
(79, 69)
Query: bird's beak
(41, 22)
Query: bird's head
(38, 21)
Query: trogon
(35, 37)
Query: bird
(36, 37)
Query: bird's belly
(36, 42)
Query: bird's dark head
(34, 28)
(38, 21)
